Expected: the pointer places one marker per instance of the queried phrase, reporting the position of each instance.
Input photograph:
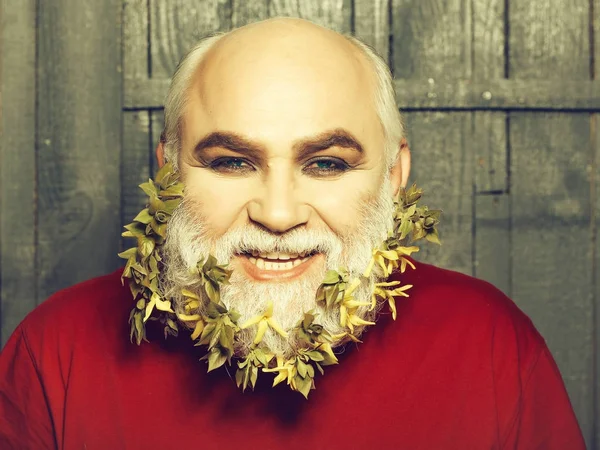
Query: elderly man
(263, 276)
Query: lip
(269, 275)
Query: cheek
(221, 201)
(337, 202)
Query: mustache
(251, 238)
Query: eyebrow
(337, 137)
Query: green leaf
(143, 216)
(331, 277)
(215, 359)
(145, 246)
(149, 188)
(315, 356)
(129, 253)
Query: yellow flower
(264, 321)
(159, 303)
(286, 371)
(389, 294)
(389, 260)
(192, 301)
(349, 306)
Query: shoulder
(452, 303)
(78, 313)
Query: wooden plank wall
(61, 85)
(500, 100)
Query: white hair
(175, 102)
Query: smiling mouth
(267, 266)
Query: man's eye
(230, 165)
(328, 166)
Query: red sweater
(461, 368)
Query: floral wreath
(218, 327)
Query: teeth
(270, 264)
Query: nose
(276, 206)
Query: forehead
(280, 88)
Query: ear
(401, 169)
(160, 154)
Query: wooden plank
(594, 15)
(489, 128)
(245, 12)
(157, 123)
(372, 25)
(595, 123)
(551, 247)
(427, 95)
(176, 26)
(334, 14)
(78, 141)
(447, 181)
(549, 39)
(550, 193)
(492, 240)
(17, 164)
(135, 38)
(431, 39)
(136, 166)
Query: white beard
(188, 241)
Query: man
(277, 263)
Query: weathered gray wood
(489, 128)
(136, 164)
(424, 95)
(17, 164)
(245, 12)
(334, 14)
(492, 240)
(372, 25)
(489, 141)
(432, 42)
(157, 123)
(78, 141)
(595, 174)
(550, 193)
(551, 246)
(442, 167)
(176, 26)
(431, 39)
(135, 38)
(549, 39)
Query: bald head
(300, 67)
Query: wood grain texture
(245, 12)
(442, 167)
(334, 14)
(78, 141)
(549, 39)
(136, 166)
(550, 194)
(595, 173)
(178, 25)
(492, 240)
(17, 164)
(135, 38)
(551, 246)
(431, 39)
(157, 123)
(372, 24)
